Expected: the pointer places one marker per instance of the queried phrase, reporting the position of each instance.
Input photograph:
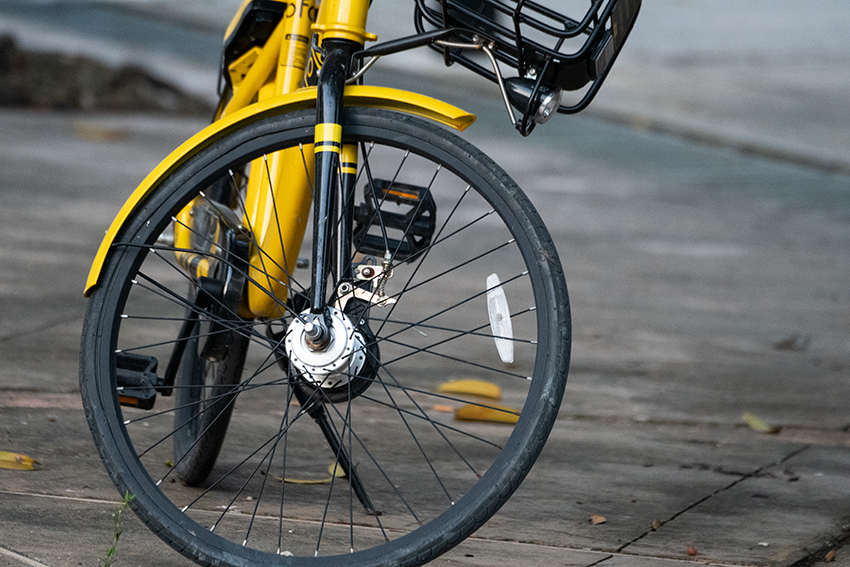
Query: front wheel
(382, 454)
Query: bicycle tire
(206, 408)
(434, 480)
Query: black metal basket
(537, 40)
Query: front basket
(537, 40)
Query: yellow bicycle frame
(268, 81)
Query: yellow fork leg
(278, 219)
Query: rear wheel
(359, 455)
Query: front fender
(355, 95)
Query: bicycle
(263, 413)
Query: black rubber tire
(128, 450)
(202, 414)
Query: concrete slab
(730, 486)
(689, 271)
(767, 516)
(763, 76)
(65, 177)
(85, 529)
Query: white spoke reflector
(500, 319)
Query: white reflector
(500, 319)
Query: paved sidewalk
(704, 283)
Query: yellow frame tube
(355, 95)
(278, 196)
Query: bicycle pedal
(412, 219)
(137, 380)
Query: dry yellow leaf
(16, 461)
(336, 470)
(442, 408)
(307, 480)
(830, 556)
(497, 414)
(596, 520)
(478, 388)
(758, 424)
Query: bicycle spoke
(413, 435)
(472, 332)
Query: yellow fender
(355, 95)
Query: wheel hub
(341, 356)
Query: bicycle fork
(327, 201)
(335, 167)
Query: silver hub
(342, 357)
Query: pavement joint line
(601, 561)
(607, 554)
(23, 559)
(60, 497)
(737, 481)
(666, 559)
(816, 557)
(799, 434)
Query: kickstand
(316, 409)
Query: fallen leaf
(496, 414)
(692, 551)
(96, 133)
(596, 520)
(830, 556)
(443, 408)
(16, 461)
(478, 388)
(656, 524)
(758, 424)
(305, 480)
(336, 470)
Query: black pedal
(137, 380)
(407, 212)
